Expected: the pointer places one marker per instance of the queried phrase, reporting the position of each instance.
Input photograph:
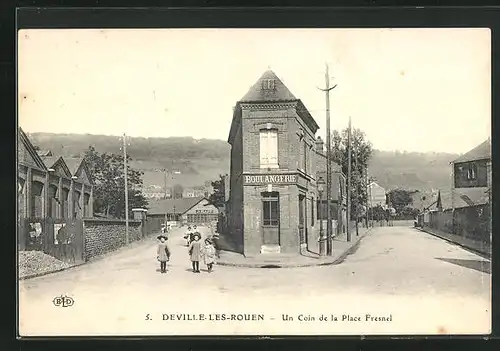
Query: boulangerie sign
(270, 179)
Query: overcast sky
(408, 89)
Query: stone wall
(105, 235)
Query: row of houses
(158, 192)
(52, 186)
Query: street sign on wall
(274, 179)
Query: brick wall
(104, 235)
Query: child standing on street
(163, 253)
(209, 254)
(195, 252)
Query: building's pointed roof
(74, 164)
(439, 203)
(55, 161)
(33, 155)
(480, 152)
(276, 91)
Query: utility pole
(356, 192)
(126, 185)
(349, 181)
(366, 189)
(165, 195)
(327, 90)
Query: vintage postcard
(254, 182)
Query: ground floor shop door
(302, 219)
(270, 218)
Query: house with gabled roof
(472, 177)
(49, 187)
(468, 213)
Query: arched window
(36, 199)
(20, 185)
(76, 201)
(53, 202)
(86, 201)
(64, 202)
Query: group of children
(196, 251)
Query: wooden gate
(60, 238)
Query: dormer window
(268, 84)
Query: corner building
(272, 206)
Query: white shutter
(273, 147)
(264, 158)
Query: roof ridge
(481, 151)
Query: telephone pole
(126, 185)
(356, 191)
(366, 189)
(349, 182)
(327, 90)
(165, 193)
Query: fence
(78, 240)
(60, 238)
(472, 222)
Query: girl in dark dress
(195, 252)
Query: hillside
(203, 160)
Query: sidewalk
(341, 249)
(474, 245)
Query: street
(428, 286)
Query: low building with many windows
(276, 161)
(52, 186)
(185, 211)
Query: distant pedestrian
(195, 252)
(163, 253)
(209, 254)
(188, 236)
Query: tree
(108, 173)
(399, 199)
(218, 196)
(361, 153)
(177, 191)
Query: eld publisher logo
(63, 301)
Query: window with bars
(269, 148)
(270, 204)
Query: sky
(407, 89)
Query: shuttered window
(269, 148)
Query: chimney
(320, 145)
